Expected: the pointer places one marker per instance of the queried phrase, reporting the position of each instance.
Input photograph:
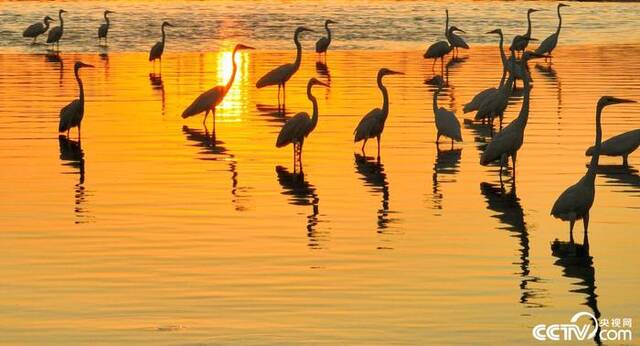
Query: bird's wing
(437, 50)
(621, 144)
(206, 101)
(294, 128)
(573, 202)
(478, 100)
(458, 41)
(322, 44)
(70, 115)
(504, 142)
(102, 30)
(368, 125)
(54, 34)
(276, 76)
(33, 30)
(448, 124)
(548, 44)
(155, 51)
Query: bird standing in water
(71, 115)
(620, 145)
(323, 43)
(576, 201)
(103, 30)
(372, 124)
(158, 48)
(454, 40)
(37, 29)
(549, 44)
(446, 122)
(520, 42)
(55, 34)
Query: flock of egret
(572, 205)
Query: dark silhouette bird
(323, 43)
(37, 29)
(576, 201)
(520, 42)
(620, 145)
(549, 44)
(446, 122)
(55, 34)
(71, 115)
(455, 41)
(103, 30)
(158, 48)
(372, 124)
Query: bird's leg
(206, 114)
(438, 137)
(284, 96)
(79, 136)
(378, 146)
(585, 242)
(69, 129)
(513, 157)
(363, 144)
(571, 223)
(278, 97)
(213, 115)
(433, 67)
(625, 161)
(451, 143)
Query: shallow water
(149, 234)
(377, 25)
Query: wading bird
(103, 30)
(208, 100)
(495, 104)
(620, 145)
(323, 43)
(55, 34)
(372, 124)
(71, 114)
(454, 40)
(296, 129)
(446, 122)
(280, 75)
(37, 29)
(576, 201)
(158, 48)
(520, 42)
(440, 49)
(549, 44)
(508, 141)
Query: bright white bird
(71, 115)
(446, 122)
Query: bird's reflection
(55, 58)
(444, 170)
(373, 175)
(323, 70)
(158, 85)
(577, 263)
(213, 150)
(511, 215)
(455, 62)
(301, 193)
(72, 155)
(277, 115)
(627, 178)
(551, 75)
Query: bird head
(302, 29)
(167, 24)
(531, 10)
(528, 55)
(329, 21)
(610, 100)
(48, 19)
(562, 5)
(241, 46)
(61, 11)
(106, 12)
(385, 71)
(455, 28)
(80, 64)
(495, 31)
(314, 81)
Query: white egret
(71, 114)
(103, 30)
(454, 40)
(323, 43)
(508, 141)
(55, 34)
(372, 124)
(296, 129)
(520, 42)
(208, 100)
(280, 75)
(576, 201)
(620, 145)
(446, 122)
(37, 29)
(158, 48)
(549, 44)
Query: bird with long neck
(520, 42)
(372, 124)
(208, 100)
(71, 115)
(158, 48)
(37, 29)
(300, 126)
(103, 30)
(454, 40)
(281, 74)
(576, 201)
(549, 44)
(323, 43)
(446, 122)
(55, 34)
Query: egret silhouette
(508, 141)
(71, 115)
(520, 42)
(296, 129)
(446, 122)
(495, 104)
(208, 100)
(455, 41)
(280, 75)
(37, 29)
(620, 145)
(576, 201)
(372, 124)
(323, 43)
(158, 48)
(103, 30)
(55, 34)
(549, 44)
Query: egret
(104, 28)
(208, 100)
(454, 40)
(576, 201)
(549, 44)
(440, 49)
(281, 74)
(55, 34)
(477, 100)
(372, 124)
(620, 145)
(37, 29)
(520, 42)
(323, 43)
(508, 141)
(71, 114)
(495, 104)
(158, 48)
(446, 122)
(296, 129)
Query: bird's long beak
(493, 31)
(617, 100)
(395, 72)
(460, 30)
(532, 39)
(87, 65)
(563, 5)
